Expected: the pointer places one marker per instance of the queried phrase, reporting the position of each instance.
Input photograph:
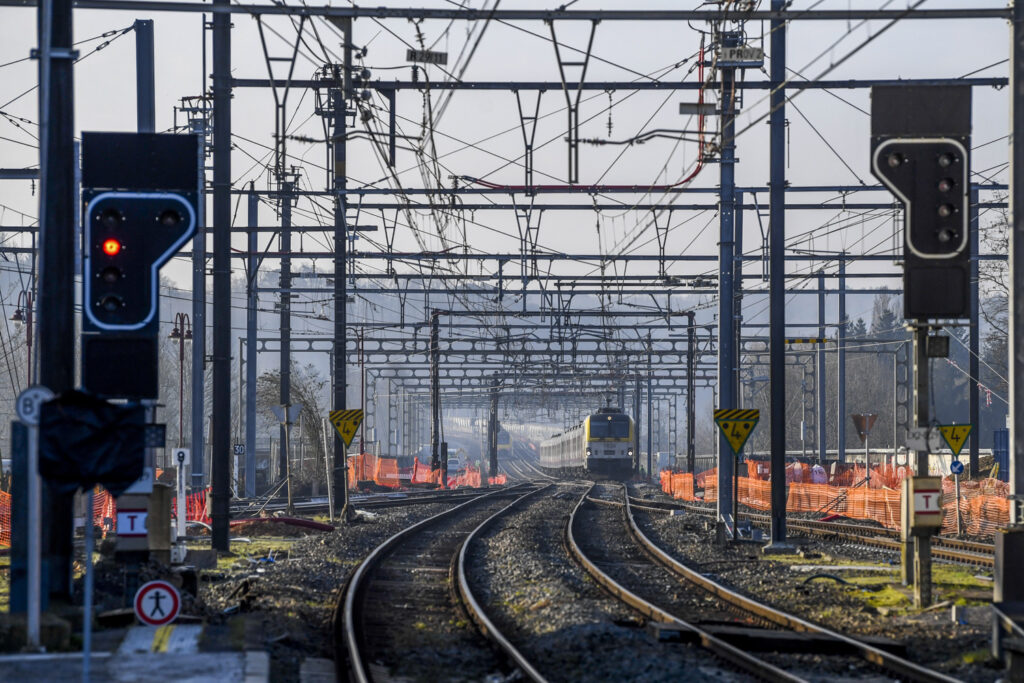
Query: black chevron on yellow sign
(346, 422)
(737, 425)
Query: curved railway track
(886, 660)
(473, 605)
(398, 608)
(607, 569)
(945, 548)
(599, 559)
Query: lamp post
(23, 314)
(182, 332)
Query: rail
(476, 612)
(730, 653)
(872, 654)
(347, 646)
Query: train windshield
(503, 437)
(609, 427)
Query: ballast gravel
(289, 603)
(559, 619)
(931, 638)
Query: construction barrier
(469, 479)
(5, 519)
(499, 480)
(678, 485)
(366, 467)
(874, 496)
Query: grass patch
(5, 583)
(981, 656)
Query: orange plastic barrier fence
(386, 473)
(5, 519)
(678, 485)
(104, 509)
(470, 479)
(499, 480)
(983, 504)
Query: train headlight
(630, 452)
(589, 452)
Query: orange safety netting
(5, 519)
(983, 504)
(386, 473)
(469, 479)
(678, 485)
(366, 467)
(499, 480)
(422, 474)
(104, 509)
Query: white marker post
(182, 459)
(30, 402)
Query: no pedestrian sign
(157, 603)
(346, 422)
(737, 425)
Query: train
(600, 446)
(504, 446)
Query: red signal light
(111, 247)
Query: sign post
(346, 422)
(921, 516)
(327, 470)
(286, 415)
(864, 422)
(182, 459)
(29, 405)
(955, 436)
(736, 426)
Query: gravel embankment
(565, 624)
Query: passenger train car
(504, 446)
(601, 445)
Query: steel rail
(469, 601)
(345, 615)
(727, 652)
(876, 656)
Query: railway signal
(920, 151)
(140, 207)
(128, 237)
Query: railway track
(886, 660)
(625, 569)
(363, 502)
(398, 612)
(945, 548)
(631, 577)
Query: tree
(309, 388)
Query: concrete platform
(209, 667)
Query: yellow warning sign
(737, 425)
(955, 436)
(346, 422)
